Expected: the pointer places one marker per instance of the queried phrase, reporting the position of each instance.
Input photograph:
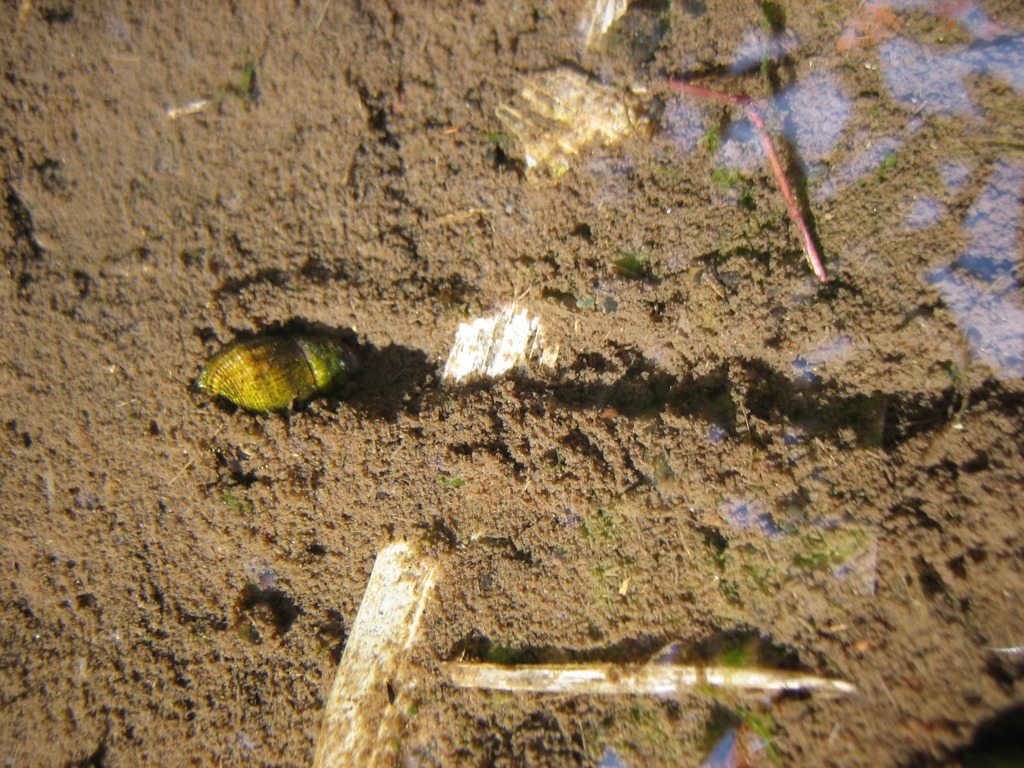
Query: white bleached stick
(634, 679)
(360, 720)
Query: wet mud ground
(729, 455)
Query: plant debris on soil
(729, 457)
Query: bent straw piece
(360, 720)
(637, 680)
(810, 249)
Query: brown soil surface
(729, 455)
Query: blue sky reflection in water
(936, 80)
(980, 287)
(925, 213)
(744, 515)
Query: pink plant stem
(810, 250)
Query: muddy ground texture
(729, 455)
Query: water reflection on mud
(926, 81)
(743, 514)
(980, 287)
(936, 81)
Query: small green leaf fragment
(241, 506)
(726, 177)
(736, 657)
(710, 140)
(888, 161)
(635, 266)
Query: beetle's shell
(272, 372)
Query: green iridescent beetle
(271, 373)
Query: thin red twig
(810, 249)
